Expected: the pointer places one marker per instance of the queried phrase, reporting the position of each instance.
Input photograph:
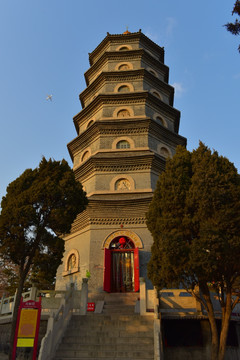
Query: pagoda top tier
(127, 37)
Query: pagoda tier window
(161, 121)
(123, 144)
(85, 156)
(155, 93)
(123, 88)
(124, 67)
(124, 48)
(123, 185)
(164, 152)
(152, 72)
(123, 113)
(90, 123)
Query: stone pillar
(2, 300)
(143, 298)
(33, 293)
(84, 297)
(198, 304)
(156, 304)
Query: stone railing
(50, 301)
(149, 305)
(173, 301)
(56, 327)
(147, 298)
(7, 303)
(58, 321)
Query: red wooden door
(136, 269)
(107, 270)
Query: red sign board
(27, 329)
(30, 304)
(90, 306)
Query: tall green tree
(194, 218)
(38, 209)
(234, 27)
(8, 277)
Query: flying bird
(49, 97)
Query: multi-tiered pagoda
(125, 131)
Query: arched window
(90, 123)
(155, 93)
(72, 262)
(122, 185)
(85, 155)
(123, 48)
(164, 152)
(161, 120)
(121, 242)
(123, 67)
(123, 113)
(123, 144)
(152, 72)
(123, 88)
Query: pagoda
(125, 131)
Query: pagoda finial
(126, 32)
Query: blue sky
(44, 48)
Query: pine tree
(39, 207)
(194, 218)
(234, 27)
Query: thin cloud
(236, 76)
(179, 89)
(152, 36)
(171, 24)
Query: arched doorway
(121, 266)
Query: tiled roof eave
(131, 36)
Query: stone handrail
(152, 297)
(57, 324)
(7, 303)
(157, 329)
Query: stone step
(120, 301)
(123, 299)
(127, 310)
(117, 295)
(104, 354)
(104, 327)
(102, 347)
(117, 334)
(97, 358)
(112, 333)
(121, 317)
(106, 340)
(118, 307)
(109, 322)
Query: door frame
(108, 268)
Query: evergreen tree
(234, 28)
(194, 218)
(38, 209)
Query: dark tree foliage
(194, 218)
(38, 209)
(8, 277)
(234, 27)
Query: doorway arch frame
(107, 286)
(128, 233)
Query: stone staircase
(120, 303)
(117, 333)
